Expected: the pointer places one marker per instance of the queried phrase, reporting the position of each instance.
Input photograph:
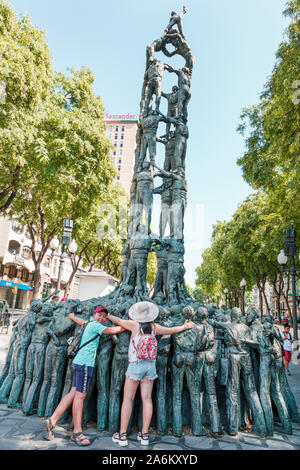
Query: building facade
(122, 134)
(17, 267)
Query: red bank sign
(121, 116)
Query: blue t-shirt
(86, 355)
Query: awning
(20, 286)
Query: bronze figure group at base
(225, 373)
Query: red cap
(101, 309)
(64, 299)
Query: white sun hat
(143, 312)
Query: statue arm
(49, 296)
(171, 69)
(43, 319)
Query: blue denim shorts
(81, 377)
(142, 368)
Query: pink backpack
(147, 346)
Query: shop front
(23, 295)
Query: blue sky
(234, 43)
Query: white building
(17, 267)
(95, 284)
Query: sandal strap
(81, 436)
(123, 434)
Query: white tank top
(132, 351)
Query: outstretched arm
(113, 330)
(126, 324)
(162, 330)
(171, 69)
(77, 320)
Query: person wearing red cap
(83, 365)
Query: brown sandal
(47, 431)
(79, 437)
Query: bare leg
(146, 394)
(77, 411)
(130, 389)
(65, 403)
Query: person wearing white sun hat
(142, 364)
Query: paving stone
(227, 446)
(279, 445)
(195, 442)
(295, 440)
(162, 446)
(246, 447)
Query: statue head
(146, 165)
(36, 305)
(268, 318)
(156, 61)
(159, 298)
(175, 89)
(201, 314)
(188, 313)
(174, 13)
(175, 308)
(251, 315)
(163, 314)
(47, 310)
(236, 314)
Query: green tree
(25, 80)
(76, 169)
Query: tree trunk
(266, 300)
(260, 301)
(286, 298)
(37, 281)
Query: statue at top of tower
(176, 19)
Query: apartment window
(119, 168)
(110, 128)
(123, 128)
(115, 153)
(120, 161)
(122, 136)
(12, 272)
(25, 275)
(118, 178)
(117, 128)
(26, 252)
(122, 145)
(14, 247)
(115, 144)
(47, 262)
(17, 227)
(121, 152)
(116, 136)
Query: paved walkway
(19, 432)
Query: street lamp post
(66, 240)
(290, 250)
(226, 294)
(243, 286)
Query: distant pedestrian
(287, 346)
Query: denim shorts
(81, 377)
(142, 368)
